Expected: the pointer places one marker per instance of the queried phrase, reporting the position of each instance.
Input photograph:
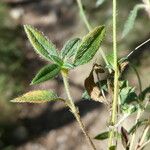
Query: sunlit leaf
(89, 46)
(67, 65)
(70, 48)
(40, 43)
(130, 21)
(56, 60)
(40, 96)
(46, 73)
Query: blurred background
(52, 126)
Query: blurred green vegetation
(11, 64)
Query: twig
(74, 110)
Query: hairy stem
(89, 27)
(115, 97)
(74, 110)
(83, 15)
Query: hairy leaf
(70, 48)
(46, 73)
(56, 60)
(40, 43)
(130, 21)
(67, 65)
(89, 46)
(40, 96)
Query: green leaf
(89, 46)
(110, 60)
(40, 96)
(144, 93)
(105, 135)
(112, 147)
(129, 108)
(67, 65)
(40, 43)
(70, 48)
(46, 73)
(56, 60)
(102, 136)
(127, 93)
(138, 124)
(131, 19)
(85, 95)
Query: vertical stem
(115, 97)
(89, 27)
(83, 15)
(74, 110)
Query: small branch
(74, 110)
(143, 137)
(83, 15)
(89, 27)
(144, 144)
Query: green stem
(83, 15)
(115, 97)
(74, 110)
(89, 26)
